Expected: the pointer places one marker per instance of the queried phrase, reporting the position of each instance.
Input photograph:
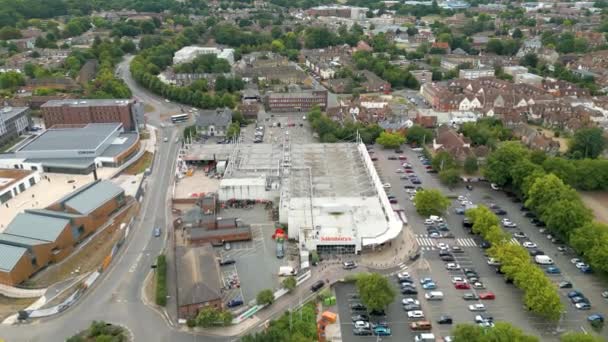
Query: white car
(399, 171)
(494, 186)
(407, 301)
(493, 262)
(519, 235)
(479, 285)
(387, 185)
(458, 280)
(580, 265)
(466, 203)
(429, 222)
(443, 245)
(462, 198)
(477, 307)
(403, 275)
(361, 325)
(575, 260)
(415, 314)
(452, 266)
(529, 244)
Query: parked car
(235, 302)
(445, 319)
(470, 296)
(157, 232)
(360, 317)
(462, 286)
(382, 331)
(565, 285)
(477, 307)
(421, 325)
(487, 295)
(596, 318)
(553, 270)
(362, 332)
(412, 307)
(349, 265)
(225, 262)
(358, 307)
(415, 314)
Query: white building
(471, 74)
(188, 53)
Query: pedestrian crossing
(515, 241)
(430, 244)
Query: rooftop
(87, 137)
(198, 278)
(19, 241)
(9, 256)
(9, 177)
(122, 143)
(8, 113)
(87, 103)
(92, 196)
(39, 227)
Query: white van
(434, 295)
(543, 260)
(426, 337)
(285, 271)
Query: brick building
(78, 112)
(297, 101)
(37, 238)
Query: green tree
(468, 333)
(499, 162)
(545, 191)
(419, 135)
(375, 290)
(449, 177)
(470, 165)
(431, 202)
(289, 283)
(390, 140)
(8, 32)
(483, 219)
(564, 216)
(443, 160)
(517, 34)
(208, 316)
(233, 130)
(588, 142)
(265, 297)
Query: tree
(470, 165)
(449, 177)
(8, 32)
(390, 140)
(502, 331)
(289, 283)
(233, 130)
(589, 142)
(207, 316)
(375, 290)
(483, 219)
(564, 216)
(529, 60)
(431, 202)
(418, 135)
(500, 161)
(265, 297)
(517, 34)
(579, 337)
(468, 333)
(443, 160)
(545, 191)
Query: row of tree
(331, 131)
(149, 62)
(503, 331)
(540, 295)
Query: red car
(402, 158)
(409, 171)
(428, 167)
(462, 286)
(487, 295)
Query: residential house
(535, 139)
(422, 76)
(214, 122)
(373, 83)
(457, 145)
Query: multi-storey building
(297, 101)
(13, 122)
(81, 112)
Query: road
(508, 305)
(117, 295)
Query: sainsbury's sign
(336, 238)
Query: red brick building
(297, 101)
(78, 112)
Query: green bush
(161, 280)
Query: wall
(190, 311)
(22, 270)
(229, 236)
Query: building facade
(296, 102)
(13, 122)
(79, 112)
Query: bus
(179, 118)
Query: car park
(362, 325)
(358, 307)
(412, 307)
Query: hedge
(161, 280)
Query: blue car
(429, 286)
(382, 331)
(596, 318)
(586, 269)
(459, 211)
(575, 293)
(553, 270)
(234, 302)
(426, 280)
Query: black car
(447, 258)
(392, 158)
(362, 332)
(362, 317)
(415, 256)
(444, 252)
(398, 150)
(431, 171)
(486, 245)
(227, 262)
(409, 187)
(358, 307)
(530, 214)
(416, 181)
(406, 282)
(500, 212)
(524, 208)
(467, 223)
(409, 290)
(535, 252)
(444, 319)
(377, 313)
(234, 302)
